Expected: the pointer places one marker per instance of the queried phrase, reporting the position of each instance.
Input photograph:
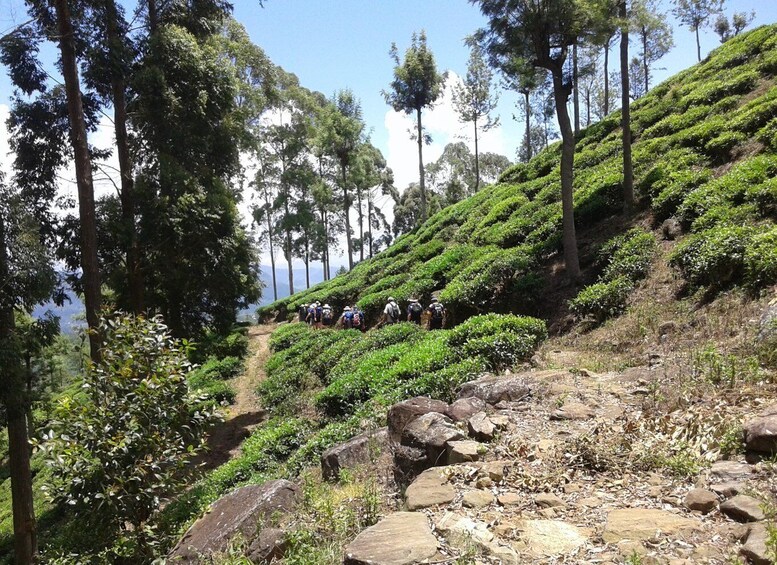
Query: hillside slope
(704, 152)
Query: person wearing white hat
(391, 313)
(327, 316)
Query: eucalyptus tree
(372, 178)
(697, 14)
(407, 207)
(474, 99)
(452, 175)
(653, 33)
(525, 79)
(628, 169)
(416, 85)
(726, 30)
(264, 216)
(541, 33)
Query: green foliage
(602, 300)
(220, 369)
(714, 257)
(628, 255)
(287, 335)
(121, 447)
(760, 260)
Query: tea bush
(220, 369)
(713, 257)
(602, 300)
(628, 255)
(761, 259)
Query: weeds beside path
(246, 413)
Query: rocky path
(246, 412)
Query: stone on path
(495, 470)
(402, 413)
(727, 490)
(642, 523)
(754, 549)
(464, 532)
(743, 508)
(402, 538)
(431, 432)
(429, 489)
(503, 388)
(549, 537)
(464, 408)
(464, 451)
(358, 450)
(477, 498)
(573, 411)
(761, 432)
(235, 513)
(481, 427)
(701, 500)
(730, 470)
(509, 499)
(269, 544)
(548, 500)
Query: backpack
(415, 308)
(327, 314)
(318, 314)
(437, 311)
(311, 313)
(394, 311)
(357, 319)
(348, 320)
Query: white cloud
(442, 123)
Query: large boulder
(402, 538)
(236, 513)
(431, 432)
(638, 524)
(755, 549)
(358, 450)
(761, 432)
(431, 488)
(493, 389)
(463, 408)
(743, 508)
(409, 462)
(402, 413)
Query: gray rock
(767, 325)
(464, 451)
(730, 470)
(481, 427)
(548, 500)
(402, 538)
(431, 488)
(727, 490)
(464, 408)
(358, 450)
(761, 432)
(431, 432)
(409, 462)
(477, 499)
(743, 508)
(236, 513)
(402, 413)
(494, 389)
(754, 549)
(671, 229)
(269, 544)
(573, 411)
(701, 500)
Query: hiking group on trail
(320, 316)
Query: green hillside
(705, 151)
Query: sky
(336, 44)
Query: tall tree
(654, 35)
(628, 171)
(265, 185)
(541, 33)
(452, 175)
(524, 78)
(696, 14)
(726, 30)
(416, 85)
(474, 99)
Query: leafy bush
(287, 335)
(713, 257)
(212, 344)
(216, 391)
(628, 255)
(761, 259)
(444, 383)
(220, 369)
(602, 300)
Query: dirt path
(246, 413)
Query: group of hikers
(323, 316)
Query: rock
(548, 513)
(701, 500)
(550, 537)
(431, 432)
(506, 388)
(638, 524)
(409, 462)
(548, 500)
(429, 489)
(761, 434)
(590, 502)
(269, 544)
(500, 421)
(730, 470)
(464, 408)
(495, 470)
(464, 451)
(509, 499)
(667, 328)
(402, 413)
(754, 549)
(743, 508)
(477, 498)
(236, 513)
(460, 529)
(727, 490)
(484, 482)
(481, 427)
(402, 538)
(358, 450)
(572, 411)
(767, 325)
(671, 229)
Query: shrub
(761, 259)
(219, 346)
(713, 257)
(287, 335)
(472, 337)
(221, 369)
(720, 147)
(216, 391)
(602, 300)
(628, 255)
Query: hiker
(346, 320)
(414, 311)
(436, 315)
(318, 313)
(391, 312)
(359, 320)
(327, 316)
(310, 315)
(302, 312)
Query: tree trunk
(606, 77)
(561, 95)
(127, 197)
(369, 220)
(421, 166)
(153, 17)
(575, 89)
(12, 396)
(645, 66)
(324, 258)
(698, 45)
(83, 166)
(360, 214)
(307, 260)
(628, 172)
(347, 210)
(287, 248)
(587, 107)
(477, 158)
(269, 241)
(528, 125)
